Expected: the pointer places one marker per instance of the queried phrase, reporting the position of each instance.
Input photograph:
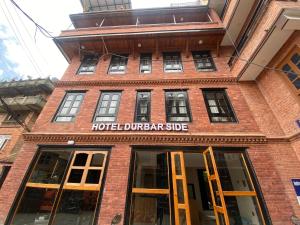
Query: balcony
(28, 103)
(26, 87)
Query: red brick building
(180, 115)
(20, 104)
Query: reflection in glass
(177, 164)
(50, 167)
(35, 207)
(93, 177)
(182, 216)
(150, 210)
(151, 170)
(209, 164)
(75, 176)
(76, 208)
(222, 219)
(80, 159)
(232, 172)
(97, 160)
(180, 192)
(243, 210)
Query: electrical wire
(28, 33)
(48, 34)
(19, 38)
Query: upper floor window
(172, 62)
(118, 64)
(19, 115)
(145, 63)
(291, 68)
(143, 104)
(69, 107)
(218, 106)
(177, 106)
(88, 64)
(203, 61)
(3, 140)
(108, 107)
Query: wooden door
(180, 194)
(215, 188)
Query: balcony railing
(30, 103)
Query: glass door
(215, 188)
(180, 194)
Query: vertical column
(115, 186)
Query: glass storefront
(63, 189)
(192, 188)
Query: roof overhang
(69, 45)
(287, 23)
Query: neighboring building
(20, 104)
(180, 115)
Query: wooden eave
(151, 41)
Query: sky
(26, 53)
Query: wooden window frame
(3, 141)
(137, 107)
(61, 107)
(203, 55)
(231, 113)
(172, 62)
(169, 113)
(146, 58)
(106, 114)
(88, 65)
(287, 60)
(63, 185)
(118, 61)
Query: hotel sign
(140, 127)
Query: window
(143, 105)
(172, 62)
(21, 116)
(64, 189)
(69, 107)
(203, 61)
(177, 106)
(118, 64)
(218, 106)
(145, 63)
(291, 68)
(3, 140)
(108, 107)
(88, 65)
(3, 174)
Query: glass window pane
(35, 206)
(80, 159)
(243, 210)
(64, 118)
(295, 58)
(150, 210)
(93, 177)
(76, 208)
(73, 111)
(105, 119)
(297, 83)
(70, 97)
(115, 97)
(78, 98)
(232, 172)
(104, 103)
(182, 216)
(177, 164)
(97, 159)
(113, 104)
(151, 170)
(105, 97)
(64, 111)
(50, 167)
(76, 104)
(180, 193)
(102, 110)
(75, 176)
(67, 104)
(112, 111)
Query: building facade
(20, 104)
(181, 115)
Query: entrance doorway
(193, 188)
